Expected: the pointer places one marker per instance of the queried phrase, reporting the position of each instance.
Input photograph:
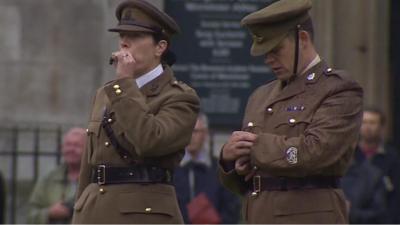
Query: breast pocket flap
(148, 203)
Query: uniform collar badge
(311, 76)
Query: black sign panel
(214, 55)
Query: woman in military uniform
(138, 128)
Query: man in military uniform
(299, 131)
(139, 126)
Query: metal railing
(10, 138)
(13, 150)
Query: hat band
(134, 23)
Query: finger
(127, 57)
(242, 169)
(118, 57)
(243, 144)
(242, 152)
(243, 160)
(250, 175)
(123, 56)
(244, 136)
(114, 54)
(130, 59)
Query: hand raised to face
(124, 64)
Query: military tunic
(155, 123)
(307, 127)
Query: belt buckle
(101, 174)
(256, 185)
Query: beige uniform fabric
(155, 123)
(308, 128)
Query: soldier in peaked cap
(299, 131)
(139, 125)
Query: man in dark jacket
(383, 156)
(365, 191)
(197, 183)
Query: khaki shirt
(155, 123)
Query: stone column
(354, 36)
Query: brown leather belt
(135, 174)
(291, 183)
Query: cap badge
(127, 14)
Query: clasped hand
(238, 149)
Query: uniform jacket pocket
(93, 134)
(292, 121)
(304, 207)
(302, 201)
(94, 128)
(148, 203)
(291, 126)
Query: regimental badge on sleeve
(291, 155)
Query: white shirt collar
(146, 78)
(315, 61)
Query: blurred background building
(54, 55)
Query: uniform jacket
(155, 123)
(49, 190)
(307, 128)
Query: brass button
(116, 86)
(109, 120)
(118, 91)
(148, 210)
(107, 143)
(292, 121)
(250, 124)
(102, 191)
